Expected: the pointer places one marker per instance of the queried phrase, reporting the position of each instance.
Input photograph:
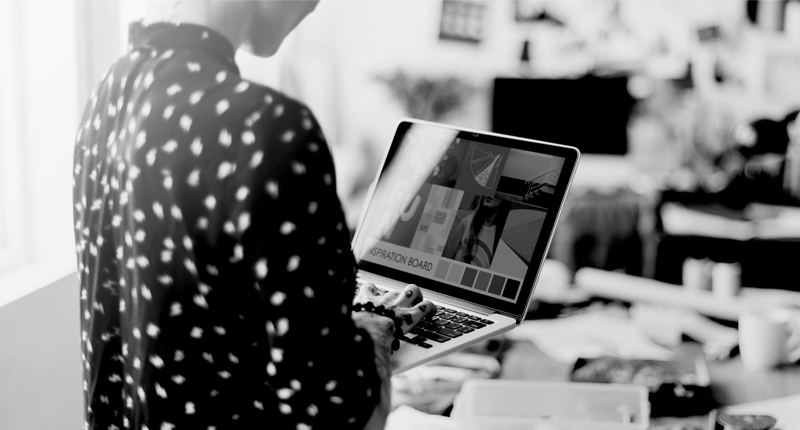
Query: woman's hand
(408, 305)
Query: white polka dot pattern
(207, 228)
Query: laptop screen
(465, 214)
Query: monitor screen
(466, 214)
(590, 113)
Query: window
(53, 55)
(13, 248)
(44, 51)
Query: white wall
(40, 361)
(361, 39)
(337, 52)
(332, 59)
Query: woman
(475, 238)
(216, 275)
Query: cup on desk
(697, 274)
(767, 338)
(725, 280)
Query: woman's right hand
(407, 304)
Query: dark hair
(481, 212)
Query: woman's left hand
(407, 304)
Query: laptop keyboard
(446, 324)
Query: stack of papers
(590, 335)
(756, 222)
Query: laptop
(468, 217)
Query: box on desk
(529, 405)
(678, 388)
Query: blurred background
(685, 111)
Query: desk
(766, 262)
(731, 383)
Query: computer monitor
(590, 113)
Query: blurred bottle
(525, 68)
(697, 274)
(726, 280)
(791, 171)
(770, 15)
(791, 20)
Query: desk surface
(731, 383)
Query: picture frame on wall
(463, 20)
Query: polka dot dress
(215, 270)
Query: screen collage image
(464, 213)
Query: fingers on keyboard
(406, 298)
(419, 312)
(445, 324)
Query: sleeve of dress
(322, 366)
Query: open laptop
(467, 216)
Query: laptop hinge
(513, 317)
(427, 293)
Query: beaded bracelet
(388, 313)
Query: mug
(697, 274)
(767, 338)
(725, 280)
